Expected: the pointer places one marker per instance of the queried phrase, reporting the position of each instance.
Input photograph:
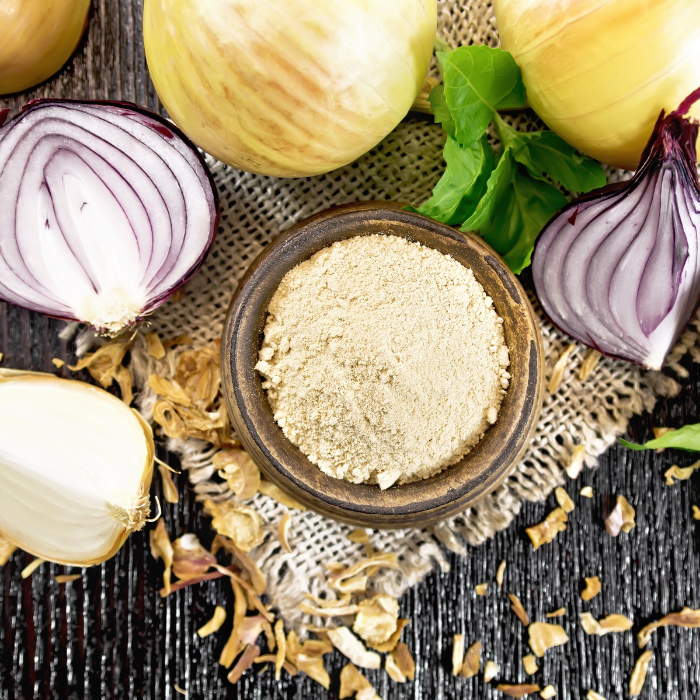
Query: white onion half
(75, 468)
(105, 210)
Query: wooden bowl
(419, 503)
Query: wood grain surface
(110, 635)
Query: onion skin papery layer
(107, 210)
(288, 88)
(619, 269)
(76, 466)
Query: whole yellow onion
(599, 72)
(288, 87)
(38, 37)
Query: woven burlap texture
(403, 168)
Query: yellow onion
(75, 468)
(38, 37)
(599, 72)
(288, 87)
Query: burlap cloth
(404, 167)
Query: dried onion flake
(243, 664)
(353, 682)
(241, 524)
(394, 639)
(518, 609)
(283, 527)
(170, 493)
(154, 346)
(402, 656)
(239, 471)
(472, 661)
(350, 579)
(592, 589)
(621, 518)
(612, 623)
(393, 671)
(275, 493)
(230, 650)
(500, 573)
(639, 673)
(544, 635)
(563, 499)
(675, 472)
(457, 653)
(559, 368)
(518, 691)
(376, 618)
(190, 559)
(588, 365)
(359, 536)
(530, 665)
(687, 617)
(592, 695)
(573, 469)
(491, 670)
(214, 624)
(161, 548)
(351, 647)
(547, 530)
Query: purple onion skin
(653, 267)
(169, 131)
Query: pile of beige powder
(384, 361)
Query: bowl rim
(285, 465)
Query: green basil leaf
(505, 226)
(478, 81)
(441, 111)
(509, 137)
(685, 438)
(545, 152)
(536, 203)
(510, 203)
(519, 213)
(463, 184)
(498, 182)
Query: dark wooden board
(110, 635)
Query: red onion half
(105, 210)
(619, 269)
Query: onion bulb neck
(131, 511)
(674, 139)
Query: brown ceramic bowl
(418, 503)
